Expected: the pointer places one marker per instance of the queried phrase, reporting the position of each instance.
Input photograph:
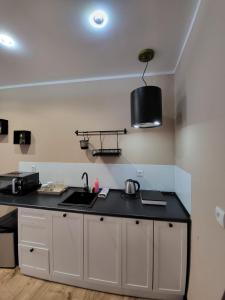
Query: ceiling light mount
(146, 55)
(6, 41)
(98, 19)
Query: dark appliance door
(8, 185)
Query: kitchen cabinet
(102, 250)
(33, 227)
(67, 247)
(170, 257)
(136, 257)
(34, 242)
(34, 261)
(137, 246)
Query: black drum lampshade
(146, 107)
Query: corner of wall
(182, 187)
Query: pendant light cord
(142, 77)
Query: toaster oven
(19, 183)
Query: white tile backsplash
(183, 187)
(157, 177)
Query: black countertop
(114, 205)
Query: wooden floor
(15, 286)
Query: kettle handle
(138, 185)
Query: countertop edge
(186, 219)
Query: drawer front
(32, 212)
(33, 232)
(34, 261)
(33, 227)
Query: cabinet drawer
(33, 229)
(33, 232)
(34, 261)
(32, 212)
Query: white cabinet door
(102, 250)
(170, 257)
(137, 245)
(34, 261)
(67, 247)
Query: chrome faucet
(86, 187)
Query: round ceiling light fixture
(98, 19)
(6, 41)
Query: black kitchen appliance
(19, 183)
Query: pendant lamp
(146, 101)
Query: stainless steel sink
(80, 199)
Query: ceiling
(55, 41)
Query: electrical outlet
(33, 168)
(140, 173)
(220, 216)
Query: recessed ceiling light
(6, 41)
(98, 19)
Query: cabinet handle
(101, 219)
(32, 250)
(64, 215)
(137, 222)
(170, 225)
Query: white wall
(200, 145)
(53, 113)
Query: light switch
(220, 216)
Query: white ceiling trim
(82, 80)
(188, 34)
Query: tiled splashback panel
(182, 187)
(157, 177)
